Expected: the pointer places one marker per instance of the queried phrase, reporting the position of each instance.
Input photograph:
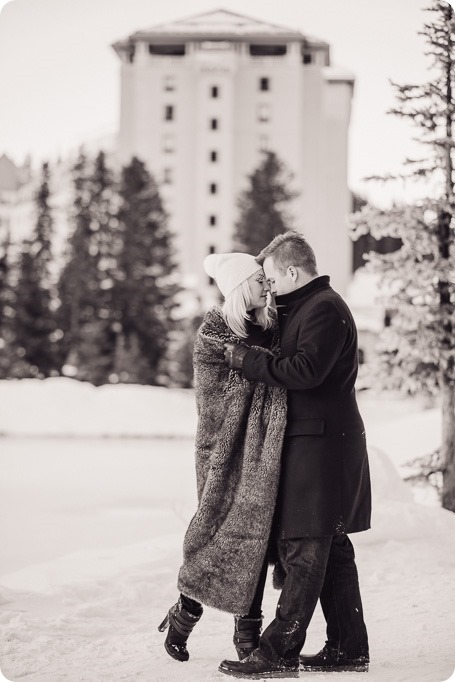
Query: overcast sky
(60, 79)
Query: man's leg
(305, 562)
(346, 647)
(341, 602)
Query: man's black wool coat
(325, 479)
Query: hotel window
(213, 124)
(167, 50)
(267, 50)
(213, 156)
(168, 144)
(263, 113)
(169, 83)
(307, 58)
(214, 91)
(169, 112)
(167, 176)
(211, 250)
(212, 220)
(213, 188)
(264, 84)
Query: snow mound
(396, 516)
(66, 407)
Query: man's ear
(293, 272)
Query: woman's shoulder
(213, 323)
(213, 313)
(214, 317)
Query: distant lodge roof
(221, 25)
(336, 74)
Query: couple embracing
(282, 466)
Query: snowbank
(402, 427)
(66, 407)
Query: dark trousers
(255, 610)
(317, 568)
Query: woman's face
(259, 289)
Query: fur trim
(238, 454)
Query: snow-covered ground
(91, 531)
(69, 408)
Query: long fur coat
(238, 451)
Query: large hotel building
(202, 98)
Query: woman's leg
(248, 627)
(181, 619)
(191, 605)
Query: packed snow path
(106, 629)
(80, 602)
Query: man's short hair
(290, 248)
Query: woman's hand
(234, 354)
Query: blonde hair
(235, 311)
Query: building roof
(220, 24)
(9, 174)
(337, 74)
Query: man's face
(279, 283)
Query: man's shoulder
(329, 295)
(330, 300)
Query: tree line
(107, 309)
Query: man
(324, 488)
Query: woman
(238, 449)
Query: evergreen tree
(179, 365)
(34, 324)
(86, 281)
(98, 350)
(44, 229)
(7, 345)
(262, 206)
(75, 291)
(417, 351)
(366, 243)
(5, 287)
(145, 282)
(131, 364)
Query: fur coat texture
(239, 440)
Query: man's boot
(246, 635)
(256, 667)
(181, 623)
(330, 659)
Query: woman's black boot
(246, 635)
(180, 622)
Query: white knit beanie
(230, 269)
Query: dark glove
(234, 354)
